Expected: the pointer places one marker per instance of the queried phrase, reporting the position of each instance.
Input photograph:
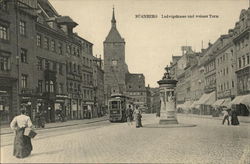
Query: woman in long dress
(138, 117)
(234, 117)
(22, 143)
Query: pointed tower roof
(114, 35)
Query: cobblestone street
(208, 142)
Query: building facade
(45, 66)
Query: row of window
(242, 43)
(44, 64)
(225, 86)
(136, 93)
(223, 58)
(87, 62)
(50, 44)
(4, 30)
(244, 84)
(224, 72)
(74, 87)
(139, 86)
(209, 67)
(49, 86)
(244, 60)
(87, 79)
(210, 80)
(73, 67)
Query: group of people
(130, 116)
(230, 114)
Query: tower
(115, 67)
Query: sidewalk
(5, 129)
(244, 119)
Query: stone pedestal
(168, 100)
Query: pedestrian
(22, 143)
(129, 113)
(138, 117)
(234, 117)
(225, 116)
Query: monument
(168, 100)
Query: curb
(213, 118)
(60, 126)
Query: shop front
(241, 104)
(8, 99)
(5, 105)
(60, 107)
(88, 109)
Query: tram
(117, 106)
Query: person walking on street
(234, 117)
(129, 114)
(225, 117)
(22, 143)
(138, 117)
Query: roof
(48, 8)
(66, 19)
(132, 77)
(114, 36)
(135, 79)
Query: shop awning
(245, 99)
(227, 102)
(207, 99)
(187, 105)
(210, 99)
(194, 104)
(219, 102)
(202, 99)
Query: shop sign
(62, 96)
(90, 103)
(62, 101)
(26, 98)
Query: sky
(151, 42)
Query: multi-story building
(183, 76)
(225, 71)
(135, 88)
(242, 51)
(42, 62)
(221, 76)
(87, 64)
(98, 78)
(17, 26)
